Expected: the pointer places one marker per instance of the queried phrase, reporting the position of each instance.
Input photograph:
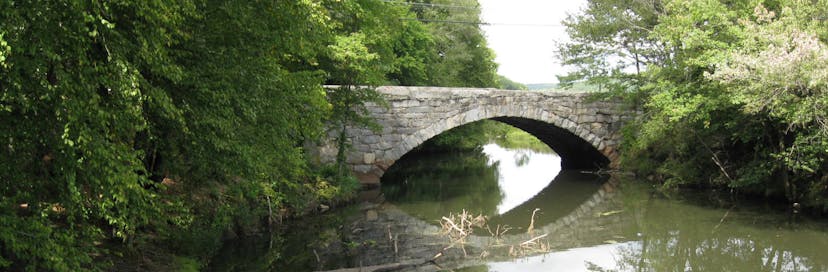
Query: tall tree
(464, 58)
(611, 44)
(735, 86)
(100, 102)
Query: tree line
(135, 123)
(734, 93)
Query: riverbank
(223, 214)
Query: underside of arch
(576, 153)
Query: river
(553, 220)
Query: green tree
(72, 86)
(402, 48)
(250, 94)
(611, 44)
(506, 83)
(356, 67)
(735, 86)
(463, 59)
(779, 73)
(105, 100)
(177, 121)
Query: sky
(526, 54)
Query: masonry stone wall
(563, 120)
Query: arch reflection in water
(522, 173)
(689, 233)
(501, 183)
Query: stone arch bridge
(585, 133)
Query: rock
(371, 215)
(369, 158)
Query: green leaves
(459, 55)
(5, 50)
(72, 92)
(728, 85)
(124, 119)
(612, 44)
(780, 69)
(353, 62)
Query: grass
(519, 139)
(184, 264)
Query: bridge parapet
(584, 132)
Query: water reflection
(687, 235)
(429, 185)
(577, 259)
(691, 234)
(522, 173)
(568, 191)
(635, 229)
(503, 184)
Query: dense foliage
(143, 122)
(463, 60)
(738, 87)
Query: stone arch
(578, 146)
(582, 130)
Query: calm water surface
(590, 225)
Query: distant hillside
(554, 86)
(542, 86)
(508, 84)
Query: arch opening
(575, 152)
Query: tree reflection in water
(685, 235)
(691, 234)
(431, 185)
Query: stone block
(410, 142)
(384, 145)
(369, 158)
(420, 109)
(371, 139)
(590, 138)
(405, 103)
(371, 215)
(362, 168)
(354, 159)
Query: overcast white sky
(526, 54)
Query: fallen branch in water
(452, 227)
(499, 231)
(532, 241)
(722, 220)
